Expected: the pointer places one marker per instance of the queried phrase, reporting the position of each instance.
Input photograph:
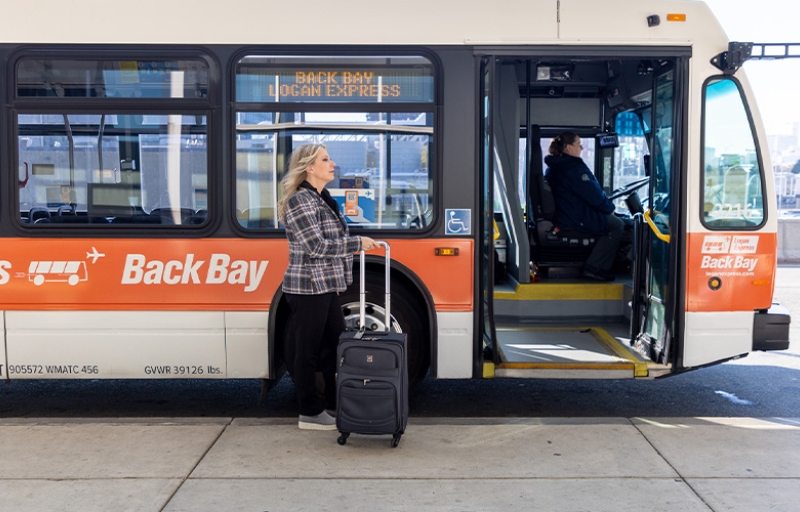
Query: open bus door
(499, 148)
(564, 326)
(486, 239)
(656, 294)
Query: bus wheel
(408, 316)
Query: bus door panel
(654, 252)
(486, 238)
(500, 167)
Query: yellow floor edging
(563, 291)
(622, 365)
(611, 343)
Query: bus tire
(408, 316)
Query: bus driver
(582, 205)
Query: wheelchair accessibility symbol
(458, 222)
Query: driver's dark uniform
(582, 205)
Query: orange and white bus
(140, 157)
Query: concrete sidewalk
(258, 465)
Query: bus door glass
(656, 324)
(487, 203)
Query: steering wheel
(630, 188)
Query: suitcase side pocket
(367, 407)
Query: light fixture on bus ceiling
(645, 67)
(555, 72)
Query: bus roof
(315, 22)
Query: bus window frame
(91, 53)
(433, 108)
(756, 144)
(53, 105)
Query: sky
(776, 83)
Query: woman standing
(320, 267)
(581, 204)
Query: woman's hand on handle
(367, 243)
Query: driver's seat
(551, 246)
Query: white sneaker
(322, 421)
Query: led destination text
(336, 91)
(335, 84)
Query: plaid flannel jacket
(320, 246)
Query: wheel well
(400, 276)
(405, 277)
(278, 316)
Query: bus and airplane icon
(72, 272)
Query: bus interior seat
(65, 209)
(199, 216)
(138, 218)
(168, 215)
(551, 247)
(37, 213)
(77, 219)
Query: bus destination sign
(360, 85)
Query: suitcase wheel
(342, 440)
(395, 440)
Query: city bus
(141, 155)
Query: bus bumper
(771, 328)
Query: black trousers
(602, 256)
(315, 323)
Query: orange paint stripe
(191, 274)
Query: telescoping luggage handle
(363, 292)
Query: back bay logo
(5, 266)
(727, 252)
(220, 269)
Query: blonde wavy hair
(302, 158)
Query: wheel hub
(374, 317)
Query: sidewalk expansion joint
(680, 477)
(199, 460)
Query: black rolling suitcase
(372, 376)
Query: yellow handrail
(661, 236)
